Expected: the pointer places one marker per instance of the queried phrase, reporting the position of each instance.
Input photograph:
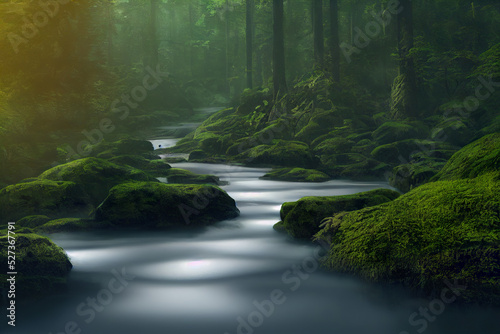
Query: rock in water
(157, 205)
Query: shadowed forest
(205, 146)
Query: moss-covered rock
(42, 266)
(155, 167)
(95, 176)
(150, 204)
(71, 225)
(477, 158)
(447, 230)
(107, 150)
(43, 197)
(182, 176)
(453, 130)
(302, 219)
(280, 153)
(33, 221)
(337, 145)
(296, 175)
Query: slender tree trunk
(111, 30)
(404, 92)
(334, 40)
(279, 78)
(249, 37)
(319, 43)
(191, 37)
(153, 56)
(228, 66)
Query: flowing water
(238, 276)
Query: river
(238, 276)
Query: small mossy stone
(296, 175)
(182, 176)
(302, 219)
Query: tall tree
(279, 78)
(319, 44)
(228, 66)
(404, 91)
(153, 38)
(334, 40)
(249, 38)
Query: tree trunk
(404, 90)
(279, 78)
(319, 44)
(111, 30)
(228, 66)
(249, 37)
(334, 40)
(153, 40)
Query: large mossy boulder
(446, 230)
(280, 153)
(337, 145)
(455, 130)
(296, 175)
(302, 219)
(157, 205)
(43, 197)
(182, 176)
(42, 266)
(95, 176)
(477, 158)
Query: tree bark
(153, 55)
(334, 40)
(279, 78)
(404, 92)
(249, 39)
(319, 44)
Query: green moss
(150, 204)
(42, 266)
(182, 176)
(296, 175)
(71, 225)
(33, 221)
(302, 219)
(43, 197)
(454, 130)
(95, 176)
(477, 158)
(439, 231)
(337, 145)
(107, 149)
(154, 167)
(280, 153)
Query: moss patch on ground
(182, 176)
